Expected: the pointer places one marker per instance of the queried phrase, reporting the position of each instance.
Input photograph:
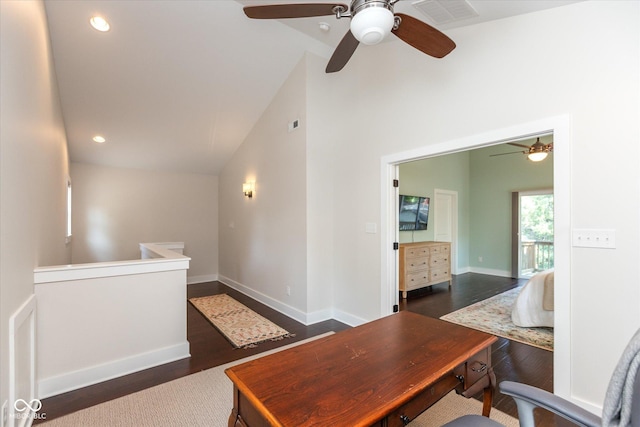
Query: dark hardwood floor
(511, 360)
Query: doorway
(560, 127)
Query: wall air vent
(293, 125)
(445, 11)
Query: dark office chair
(621, 404)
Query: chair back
(635, 402)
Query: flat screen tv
(414, 213)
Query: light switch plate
(594, 238)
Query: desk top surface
(357, 376)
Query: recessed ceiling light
(99, 139)
(99, 23)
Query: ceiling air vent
(445, 11)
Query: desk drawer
(424, 400)
(475, 368)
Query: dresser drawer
(417, 279)
(439, 261)
(439, 275)
(415, 252)
(440, 249)
(416, 264)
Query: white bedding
(528, 309)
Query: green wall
(484, 185)
(450, 172)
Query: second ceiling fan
(371, 22)
(536, 152)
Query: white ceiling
(176, 85)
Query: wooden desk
(383, 373)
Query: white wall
(116, 209)
(263, 239)
(395, 99)
(33, 172)
(504, 73)
(324, 127)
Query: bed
(534, 305)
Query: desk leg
(235, 420)
(487, 383)
(487, 397)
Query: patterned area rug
(493, 315)
(243, 327)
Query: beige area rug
(206, 399)
(493, 315)
(243, 327)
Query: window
(68, 239)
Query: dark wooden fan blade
(343, 53)
(423, 37)
(519, 145)
(511, 152)
(282, 11)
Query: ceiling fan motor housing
(371, 20)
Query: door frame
(560, 127)
(454, 224)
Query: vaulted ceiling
(177, 85)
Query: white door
(445, 221)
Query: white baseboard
(348, 318)
(52, 386)
(285, 309)
(462, 270)
(318, 316)
(294, 313)
(201, 279)
(490, 271)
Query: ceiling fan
(536, 152)
(371, 22)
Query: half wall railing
(102, 320)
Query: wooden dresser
(424, 264)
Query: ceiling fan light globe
(371, 25)
(537, 156)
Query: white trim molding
(23, 321)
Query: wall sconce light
(247, 189)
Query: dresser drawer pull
(405, 420)
(482, 368)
